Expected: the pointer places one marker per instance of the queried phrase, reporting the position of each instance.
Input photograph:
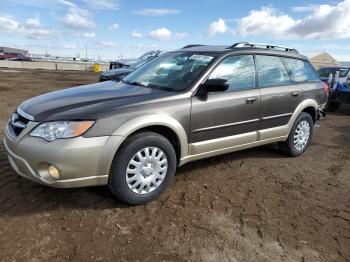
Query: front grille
(17, 123)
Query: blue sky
(128, 28)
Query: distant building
(322, 59)
(10, 50)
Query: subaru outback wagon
(193, 103)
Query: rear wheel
(143, 168)
(299, 137)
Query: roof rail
(189, 46)
(267, 46)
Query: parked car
(344, 73)
(125, 63)
(338, 79)
(189, 104)
(14, 57)
(117, 74)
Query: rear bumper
(81, 161)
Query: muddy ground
(254, 205)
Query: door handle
(251, 100)
(295, 94)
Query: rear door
(236, 111)
(279, 96)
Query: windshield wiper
(134, 83)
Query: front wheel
(143, 168)
(299, 137)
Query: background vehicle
(338, 79)
(15, 57)
(125, 63)
(117, 74)
(186, 105)
(344, 73)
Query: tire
(294, 146)
(137, 160)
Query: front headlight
(51, 131)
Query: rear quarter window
(302, 71)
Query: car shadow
(18, 196)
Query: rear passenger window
(301, 70)
(271, 71)
(238, 70)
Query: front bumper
(81, 161)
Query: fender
(306, 103)
(140, 122)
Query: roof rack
(267, 46)
(189, 46)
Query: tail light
(326, 88)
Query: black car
(117, 74)
(125, 63)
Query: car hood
(89, 101)
(117, 71)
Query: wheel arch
(161, 124)
(309, 106)
(311, 111)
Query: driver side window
(239, 71)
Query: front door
(224, 118)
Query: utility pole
(86, 53)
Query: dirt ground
(253, 205)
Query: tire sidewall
(303, 117)
(117, 180)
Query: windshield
(171, 72)
(324, 72)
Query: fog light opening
(53, 171)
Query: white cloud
(86, 34)
(304, 8)
(32, 28)
(67, 3)
(266, 22)
(157, 11)
(33, 23)
(89, 35)
(217, 27)
(136, 34)
(160, 34)
(114, 26)
(325, 22)
(108, 44)
(78, 19)
(102, 4)
(69, 46)
(181, 35)
(8, 24)
(41, 33)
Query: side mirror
(214, 85)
